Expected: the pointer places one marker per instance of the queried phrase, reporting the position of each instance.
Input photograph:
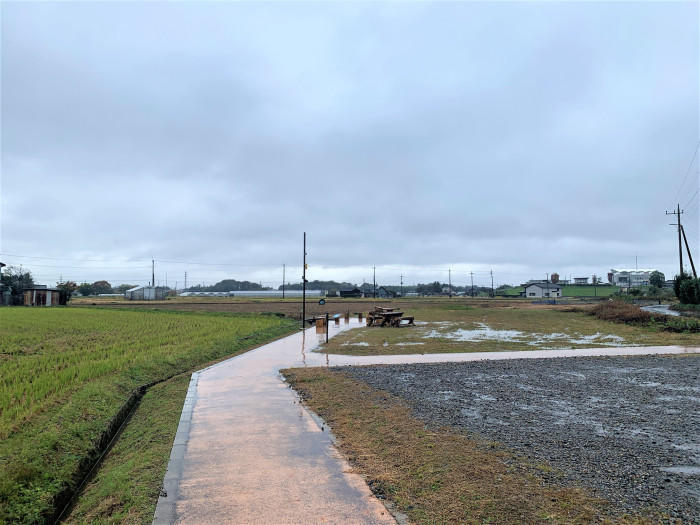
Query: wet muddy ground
(628, 428)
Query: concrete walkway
(246, 451)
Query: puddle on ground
(483, 332)
(689, 470)
(361, 343)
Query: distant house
(542, 289)
(627, 278)
(384, 293)
(355, 292)
(40, 295)
(580, 280)
(146, 293)
(381, 292)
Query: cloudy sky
(526, 138)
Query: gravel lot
(626, 427)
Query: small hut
(40, 295)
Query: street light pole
(303, 287)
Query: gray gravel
(628, 428)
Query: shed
(543, 289)
(41, 296)
(355, 292)
(5, 294)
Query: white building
(630, 278)
(542, 289)
(256, 293)
(146, 293)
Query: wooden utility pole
(153, 272)
(402, 286)
(678, 213)
(303, 288)
(471, 274)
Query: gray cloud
(528, 137)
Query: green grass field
(461, 327)
(589, 291)
(65, 373)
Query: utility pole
(185, 281)
(692, 264)
(492, 292)
(153, 272)
(284, 268)
(449, 280)
(471, 274)
(374, 281)
(402, 286)
(303, 287)
(678, 213)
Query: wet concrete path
(247, 452)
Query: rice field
(65, 373)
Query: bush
(622, 312)
(677, 280)
(689, 291)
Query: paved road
(247, 452)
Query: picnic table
(388, 317)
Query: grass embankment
(65, 373)
(435, 476)
(126, 488)
(459, 327)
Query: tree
(689, 292)
(67, 288)
(17, 279)
(124, 287)
(99, 287)
(86, 289)
(555, 278)
(657, 279)
(677, 281)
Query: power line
(695, 154)
(691, 199)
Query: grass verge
(127, 485)
(436, 476)
(66, 374)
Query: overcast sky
(526, 138)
